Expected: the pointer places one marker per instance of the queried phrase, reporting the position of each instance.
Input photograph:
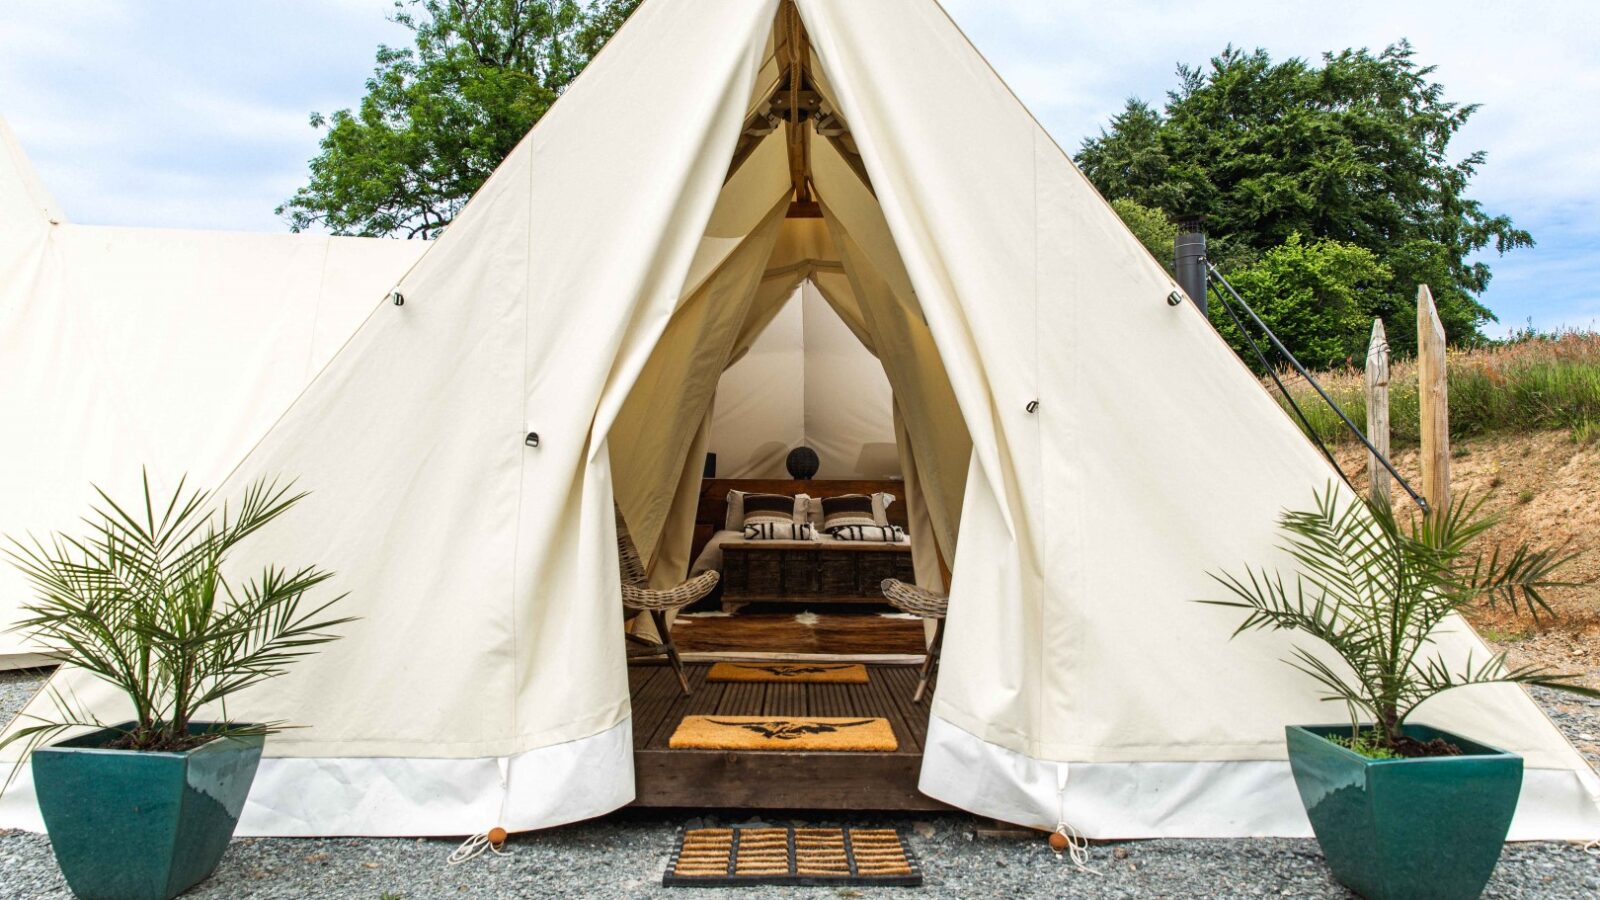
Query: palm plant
(141, 601)
(1375, 590)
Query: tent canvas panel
(126, 347)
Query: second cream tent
(1082, 453)
(177, 349)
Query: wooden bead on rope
(497, 836)
(1058, 842)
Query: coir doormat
(811, 673)
(783, 733)
(747, 856)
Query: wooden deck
(777, 779)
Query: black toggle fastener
(532, 440)
(399, 298)
(1033, 406)
(1174, 299)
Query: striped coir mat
(801, 672)
(754, 855)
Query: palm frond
(1374, 591)
(140, 601)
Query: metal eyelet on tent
(1033, 406)
(532, 440)
(399, 298)
(1174, 299)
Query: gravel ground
(624, 855)
(17, 687)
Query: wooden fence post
(1433, 397)
(1377, 379)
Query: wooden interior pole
(1377, 378)
(1434, 400)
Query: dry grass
(1533, 383)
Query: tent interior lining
(807, 380)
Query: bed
(820, 570)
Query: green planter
(1406, 828)
(129, 825)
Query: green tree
(1319, 297)
(1356, 151)
(1151, 226)
(439, 116)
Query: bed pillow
(736, 515)
(846, 509)
(886, 534)
(777, 531)
(880, 509)
(762, 509)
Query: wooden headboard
(713, 508)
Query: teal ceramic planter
(127, 825)
(1406, 828)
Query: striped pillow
(735, 518)
(887, 534)
(813, 508)
(760, 509)
(777, 531)
(846, 509)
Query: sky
(194, 113)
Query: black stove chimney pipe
(1189, 261)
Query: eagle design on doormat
(783, 671)
(787, 730)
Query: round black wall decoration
(802, 463)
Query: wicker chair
(638, 596)
(919, 602)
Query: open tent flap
(1088, 525)
(485, 682)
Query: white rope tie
(1593, 847)
(1077, 849)
(473, 848)
(1077, 844)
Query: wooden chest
(801, 571)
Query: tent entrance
(797, 325)
(805, 381)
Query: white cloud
(186, 114)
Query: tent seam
(522, 464)
(316, 314)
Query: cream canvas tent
(1080, 450)
(121, 347)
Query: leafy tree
(1151, 226)
(438, 117)
(1356, 151)
(1318, 296)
